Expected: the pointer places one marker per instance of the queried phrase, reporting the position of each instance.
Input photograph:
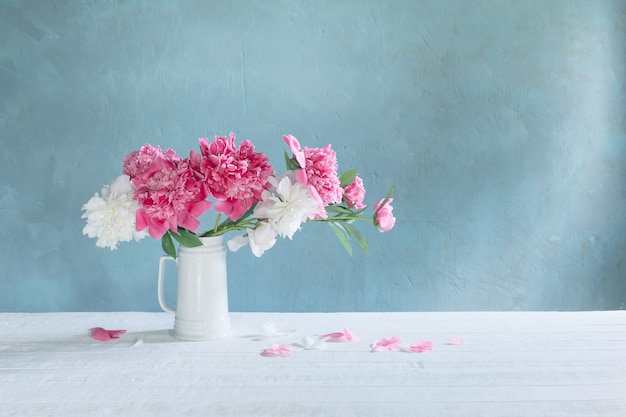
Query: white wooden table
(511, 364)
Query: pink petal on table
(332, 336)
(277, 350)
(421, 346)
(455, 341)
(383, 345)
(103, 335)
(345, 336)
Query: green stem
(228, 226)
(237, 226)
(342, 218)
(217, 222)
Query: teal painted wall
(501, 125)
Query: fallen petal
(115, 334)
(98, 333)
(421, 346)
(103, 335)
(383, 345)
(271, 330)
(332, 336)
(345, 336)
(349, 336)
(311, 343)
(455, 341)
(277, 350)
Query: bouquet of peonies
(162, 195)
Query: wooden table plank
(510, 364)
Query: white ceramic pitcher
(202, 294)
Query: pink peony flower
(384, 219)
(321, 169)
(159, 192)
(169, 195)
(318, 168)
(236, 177)
(354, 194)
(137, 162)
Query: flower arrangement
(162, 195)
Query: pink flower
(277, 350)
(383, 216)
(137, 162)
(318, 169)
(354, 194)
(386, 344)
(345, 336)
(294, 146)
(169, 195)
(419, 347)
(98, 333)
(236, 177)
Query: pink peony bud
(384, 219)
(354, 194)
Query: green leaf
(338, 209)
(229, 225)
(168, 245)
(343, 236)
(290, 164)
(187, 238)
(357, 235)
(348, 177)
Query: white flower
(111, 217)
(261, 238)
(286, 205)
(237, 242)
(120, 185)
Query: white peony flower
(261, 238)
(111, 217)
(286, 205)
(237, 242)
(120, 185)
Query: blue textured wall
(500, 123)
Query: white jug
(202, 293)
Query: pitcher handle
(162, 302)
